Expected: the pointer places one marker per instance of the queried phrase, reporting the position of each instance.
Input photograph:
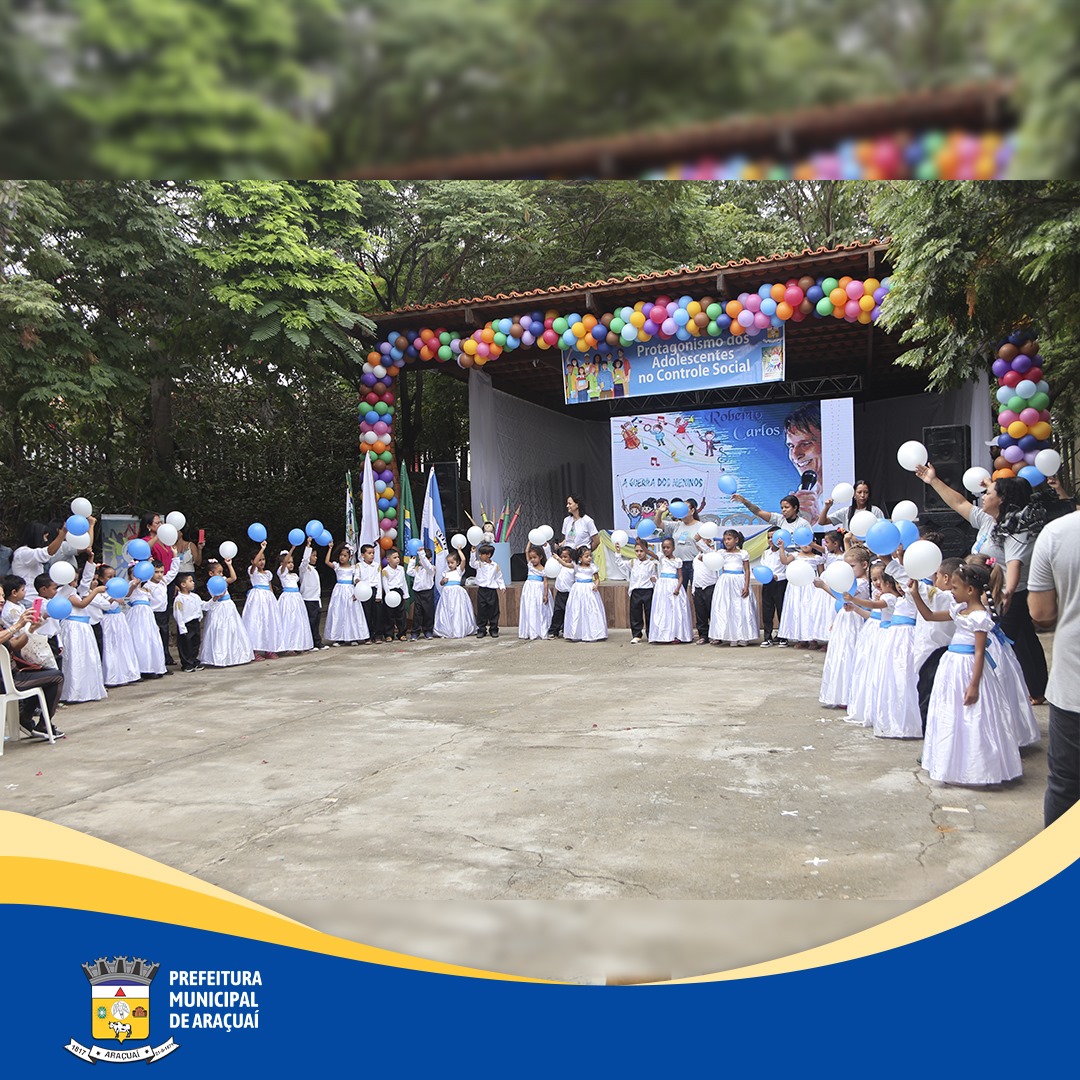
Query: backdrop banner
(671, 367)
(768, 450)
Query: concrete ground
(620, 810)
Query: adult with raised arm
(861, 500)
(1007, 524)
(684, 531)
(34, 554)
(1054, 597)
(788, 516)
(578, 529)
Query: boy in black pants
(772, 594)
(563, 583)
(489, 578)
(188, 612)
(394, 583)
(422, 570)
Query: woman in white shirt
(861, 500)
(34, 555)
(579, 530)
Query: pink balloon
(550, 338)
(1045, 415)
(380, 428)
(386, 524)
(761, 320)
(482, 349)
(752, 302)
(793, 295)
(855, 289)
(658, 313)
(1007, 417)
(852, 309)
(1029, 416)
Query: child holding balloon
(225, 642)
(83, 678)
(877, 613)
(537, 602)
(345, 621)
(119, 664)
(262, 618)
(369, 585)
(798, 621)
(454, 613)
(586, 619)
(145, 634)
(669, 617)
(839, 668)
(295, 633)
(395, 587)
(311, 591)
(422, 570)
(772, 574)
(734, 616)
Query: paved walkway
(378, 792)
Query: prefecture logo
(120, 1012)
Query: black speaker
(446, 476)
(949, 447)
(956, 534)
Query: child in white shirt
(489, 580)
(422, 570)
(640, 581)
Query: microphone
(808, 480)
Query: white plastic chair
(12, 696)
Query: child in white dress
(824, 608)
(119, 664)
(345, 622)
(893, 698)
(797, 620)
(839, 668)
(225, 642)
(537, 598)
(586, 619)
(262, 618)
(292, 612)
(454, 616)
(969, 739)
(734, 616)
(83, 677)
(145, 632)
(669, 620)
(876, 611)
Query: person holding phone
(29, 676)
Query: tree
(974, 260)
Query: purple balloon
(385, 348)
(1000, 367)
(875, 314)
(386, 475)
(1030, 456)
(650, 327)
(670, 326)
(368, 379)
(1012, 454)
(746, 318)
(1021, 363)
(879, 294)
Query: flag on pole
(432, 525)
(406, 519)
(350, 515)
(369, 512)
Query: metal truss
(827, 386)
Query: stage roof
(825, 357)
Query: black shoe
(39, 731)
(170, 662)
(428, 635)
(413, 637)
(481, 633)
(495, 632)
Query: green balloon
(560, 325)
(824, 305)
(714, 311)
(500, 339)
(444, 338)
(616, 325)
(713, 329)
(390, 513)
(926, 170)
(828, 285)
(1040, 401)
(445, 352)
(381, 407)
(1017, 403)
(386, 456)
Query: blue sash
(284, 589)
(903, 620)
(340, 581)
(138, 603)
(731, 571)
(78, 618)
(112, 611)
(672, 576)
(969, 650)
(876, 615)
(1003, 638)
(452, 583)
(535, 577)
(588, 580)
(254, 586)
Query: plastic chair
(12, 696)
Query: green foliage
(972, 261)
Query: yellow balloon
(693, 308)
(637, 319)
(866, 303)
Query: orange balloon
(386, 543)
(864, 318)
(378, 446)
(1018, 429)
(494, 351)
(736, 329)
(777, 291)
(838, 312)
(838, 298)
(589, 321)
(845, 281)
(425, 353)
(487, 334)
(374, 358)
(732, 309)
(784, 310)
(1002, 472)
(590, 341)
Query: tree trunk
(161, 423)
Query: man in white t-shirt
(1054, 597)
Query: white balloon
(84, 508)
(862, 521)
(709, 530)
(713, 560)
(800, 572)
(973, 479)
(392, 533)
(839, 577)
(370, 437)
(63, 573)
(912, 454)
(176, 520)
(458, 541)
(79, 542)
(905, 511)
(535, 536)
(620, 538)
(1048, 462)
(843, 493)
(922, 559)
(475, 535)
(167, 534)
(548, 532)
(379, 371)
(362, 591)
(552, 567)
(392, 599)
(227, 550)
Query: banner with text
(770, 450)
(670, 367)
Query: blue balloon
(909, 532)
(257, 532)
(1031, 475)
(217, 585)
(883, 537)
(1006, 440)
(678, 509)
(646, 527)
(763, 574)
(373, 417)
(814, 293)
(296, 537)
(1028, 443)
(768, 305)
(1004, 394)
(394, 503)
(414, 545)
(59, 607)
(325, 539)
(382, 504)
(144, 570)
(314, 528)
(728, 484)
(77, 525)
(138, 550)
(803, 535)
(117, 588)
